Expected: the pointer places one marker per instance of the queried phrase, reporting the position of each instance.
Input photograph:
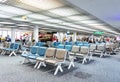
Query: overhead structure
(58, 15)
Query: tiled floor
(100, 70)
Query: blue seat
(87, 45)
(55, 44)
(80, 44)
(10, 47)
(33, 52)
(68, 47)
(41, 51)
(61, 46)
(66, 43)
(13, 48)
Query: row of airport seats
(104, 49)
(13, 48)
(44, 55)
(10, 47)
(56, 44)
(88, 52)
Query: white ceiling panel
(55, 21)
(38, 16)
(64, 11)
(43, 4)
(106, 10)
(13, 10)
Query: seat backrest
(50, 52)
(36, 44)
(61, 46)
(84, 50)
(93, 47)
(11, 45)
(34, 50)
(16, 46)
(75, 49)
(60, 54)
(68, 47)
(101, 47)
(41, 51)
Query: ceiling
(54, 15)
(106, 10)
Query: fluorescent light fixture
(89, 22)
(2, 1)
(65, 23)
(38, 22)
(13, 10)
(38, 16)
(20, 19)
(55, 21)
(43, 4)
(3, 16)
(86, 28)
(64, 11)
(8, 15)
(22, 25)
(78, 18)
(96, 24)
(6, 23)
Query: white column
(36, 31)
(75, 37)
(12, 35)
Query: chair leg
(13, 53)
(3, 53)
(84, 60)
(101, 55)
(71, 64)
(91, 57)
(58, 68)
(41, 63)
(37, 62)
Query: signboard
(98, 32)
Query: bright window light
(64, 11)
(55, 21)
(13, 10)
(38, 16)
(43, 4)
(78, 18)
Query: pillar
(12, 35)
(74, 36)
(36, 32)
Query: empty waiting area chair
(72, 55)
(84, 53)
(30, 55)
(100, 50)
(49, 54)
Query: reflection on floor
(100, 70)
